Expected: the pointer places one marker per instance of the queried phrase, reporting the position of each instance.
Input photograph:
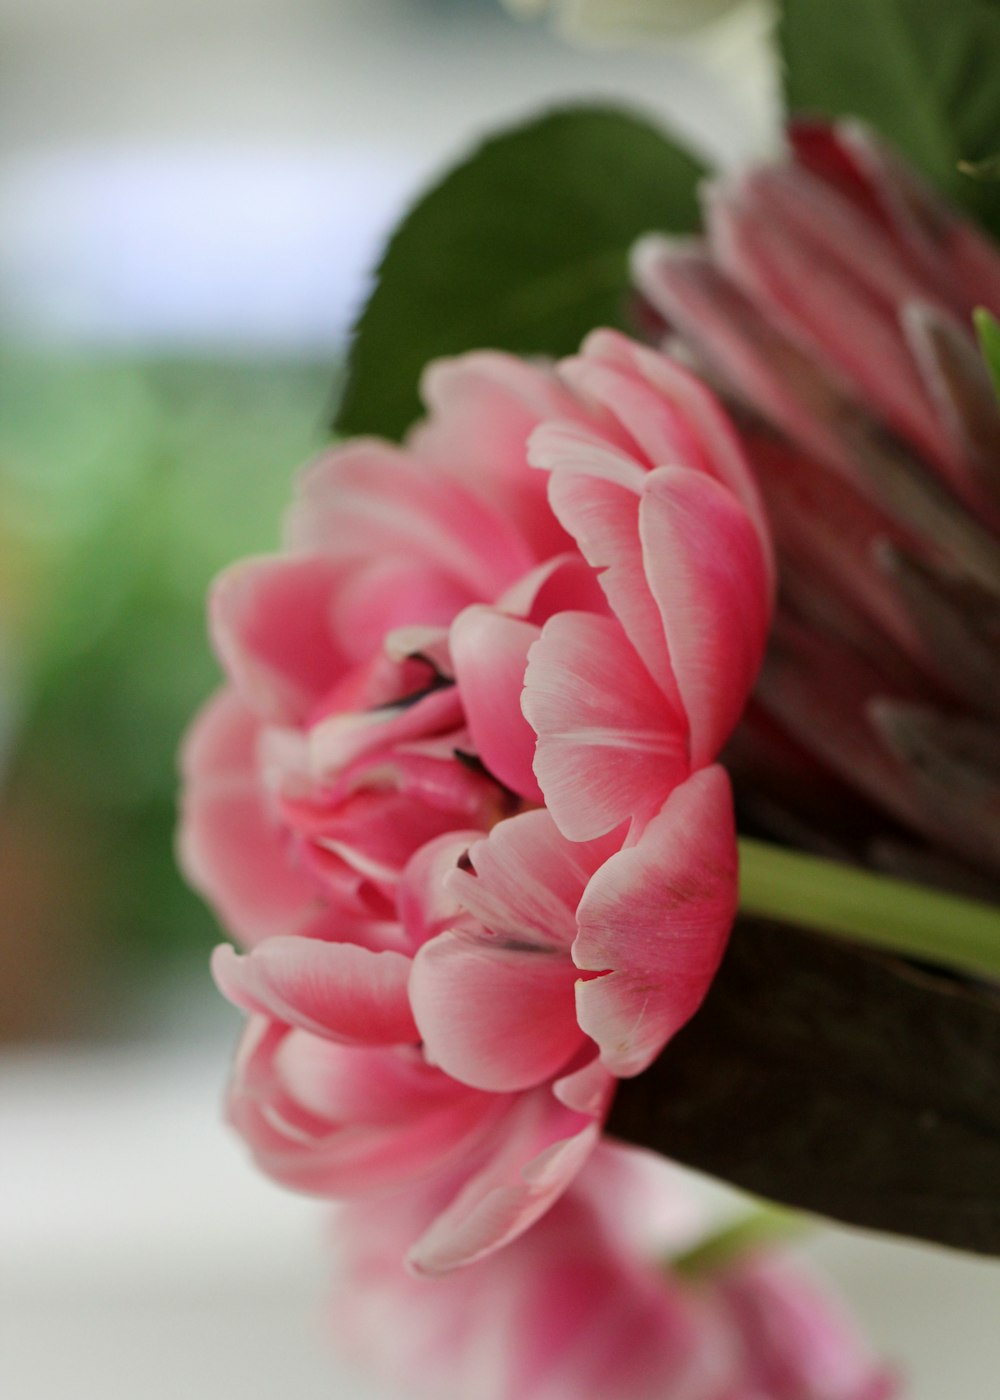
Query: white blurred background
(220, 171)
(191, 196)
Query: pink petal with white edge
(596, 496)
(493, 1013)
(655, 919)
(337, 990)
(272, 626)
(490, 654)
(610, 747)
(661, 437)
(228, 847)
(528, 880)
(707, 573)
(543, 1147)
(712, 442)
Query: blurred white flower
(600, 21)
(729, 43)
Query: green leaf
(835, 1081)
(923, 72)
(988, 330)
(523, 247)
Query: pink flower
(583, 1309)
(362, 1070)
(359, 801)
(831, 300)
(792, 1340)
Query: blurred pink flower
(830, 301)
(791, 1339)
(358, 802)
(586, 1306)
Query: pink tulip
(459, 799)
(831, 301)
(585, 1307)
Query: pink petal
(610, 747)
(336, 990)
(833, 286)
(595, 491)
(707, 573)
(347, 736)
(388, 592)
(543, 1145)
(494, 1013)
(563, 584)
(424, 643)
(229, 846)
(364, 1160)
(341, 1120)
(753, 357)
(586, 1090)
(426, 902)
(709, 442)
(655, 919)
(483, 407)
(377, 831)
(272, 627)
(367, 501)
(528, 880)
(490, 653)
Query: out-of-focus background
(191, 196)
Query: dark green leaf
(923, 72)
(839, 1082)
(523, 247)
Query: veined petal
(655, 919)
(493, 1013)
(490, 654)
(707, 573)
(336, 990)
(610, 746)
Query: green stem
(892, 915)
(764, 1225)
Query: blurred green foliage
(123, 488)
